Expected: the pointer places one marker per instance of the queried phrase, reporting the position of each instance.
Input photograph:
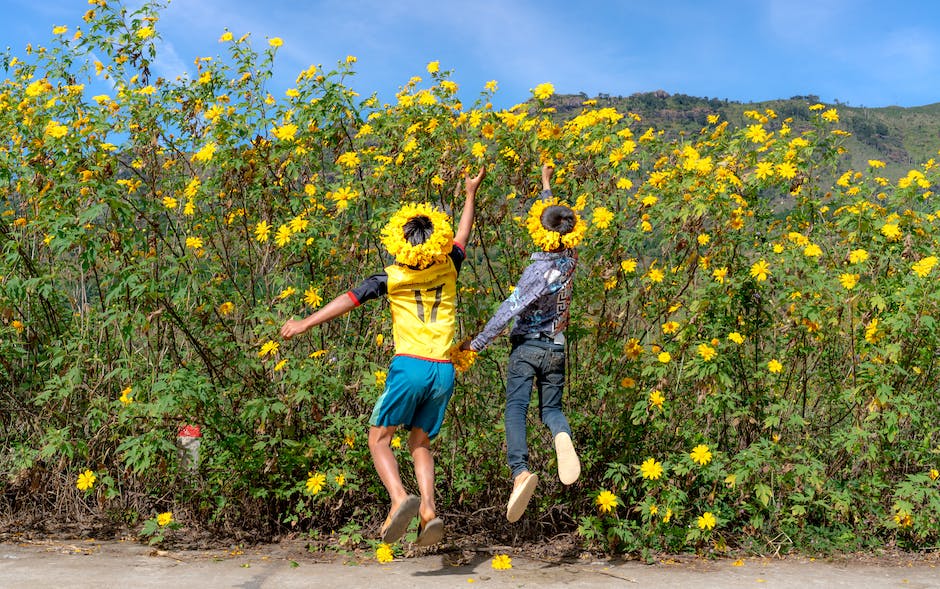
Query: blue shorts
(416, 395)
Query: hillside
(901, 137)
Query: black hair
(558, 218)
(418, 229)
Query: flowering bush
(753, 349)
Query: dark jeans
(545, 363)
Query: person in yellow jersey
(421, 287)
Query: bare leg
(420, 445)
(380, 440)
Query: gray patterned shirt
(540, 301)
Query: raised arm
(466, 219)
(335, 308)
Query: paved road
(104, 565)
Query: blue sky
(860, 52)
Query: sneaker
(569, 467)
(520, 496)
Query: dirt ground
(76, 564)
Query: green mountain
(903, 138)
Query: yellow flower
(756, 133)
(312, 297)
(434, 249)
(126, 398)
(60, 30)
(350, 439)
(384, 554)
(786, 170)
(812, 251)
(831, 116)
(85, 480)
(349, 160)
(501, 562)
(165, 518)
(701, 454)
(379, 340)
(462, 359)
(891, 231)
(736, 337)
(169, 202)
(719, 274)
(56, 130)
(543, 91)
(651, 469)
(226, 36)
(602, 217)
(664, 357)
(205, 154)
(286, 292)
(434, 67)
(269, 349)
(707, 352)
(670, 327)
(262, 231)
(848, 281)
(285, 132)
(706, 521)
(478, 150)
(275, 42)
(628, 266)
(871, 331)
(194, 242)
(315, 482)
(340, 479)
(656, 398)
(703, 238)
(774, 366)
(858, 256)
(606, 501)
(396, 442)
(760, 270)
(282, 237)
(380, 376)
(280, 365)
(923, 267)
(655, 275)
(934, 474)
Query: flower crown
(551, 240)
(434, 249)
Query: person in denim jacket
(539, 304)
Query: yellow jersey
(422, 303)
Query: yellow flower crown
(435, 249)
(551, 240)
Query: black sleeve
(457, 255)
(373, 287)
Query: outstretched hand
(472, 184)
(547, 171)
(293, 327)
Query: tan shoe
(569, 467)
(520, 496)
